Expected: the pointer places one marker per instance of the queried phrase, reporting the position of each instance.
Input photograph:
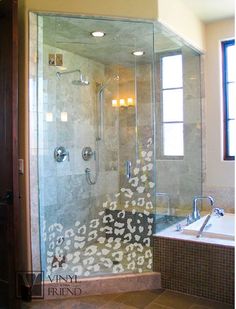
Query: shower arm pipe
(67, 72)
(100, 106)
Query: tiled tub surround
(198, 266)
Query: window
(172, 106)
(229, 98)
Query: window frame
(226, 119)
(163, 55)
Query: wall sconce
(129, 102)
(114, 103)
(122, 103)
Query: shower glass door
(95, 116)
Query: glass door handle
(128, 166)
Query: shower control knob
(87, 153)
(60, 154)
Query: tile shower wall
(64, 191)
(224, 197)
(181, 179)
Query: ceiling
(116, 47)
(211, 10)
(121, 39)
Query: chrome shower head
(80, 82)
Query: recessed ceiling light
(98, 34)
(138, 53)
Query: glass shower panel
(96, 153)
(178, 128)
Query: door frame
(9, 11)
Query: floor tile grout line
(103, 305)
(121, 303)
(164, 292)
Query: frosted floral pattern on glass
(118, 240)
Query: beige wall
(181, 20)
(219, 173)
(119, 8)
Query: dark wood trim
(15, 141)
(9, 164)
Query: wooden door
(9, 196)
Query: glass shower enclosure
(94, 114)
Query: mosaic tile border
(200, 269)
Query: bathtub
(189, 264)
(217, 227)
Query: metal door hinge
(21, 166)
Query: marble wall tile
(181, 178)
(224, 197)
(108, 182)
(49, 190)
(72, 188)
(192, 111)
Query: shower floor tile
(158, 299)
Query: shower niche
(93, 211)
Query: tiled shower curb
(101, 285)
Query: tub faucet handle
(189, 219)
(179, 227)
(219, 211)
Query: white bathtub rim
(221, 227)
(171, 232)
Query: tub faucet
(195, 211)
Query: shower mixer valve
(61, 154)
(87, 153)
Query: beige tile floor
(158, 299)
